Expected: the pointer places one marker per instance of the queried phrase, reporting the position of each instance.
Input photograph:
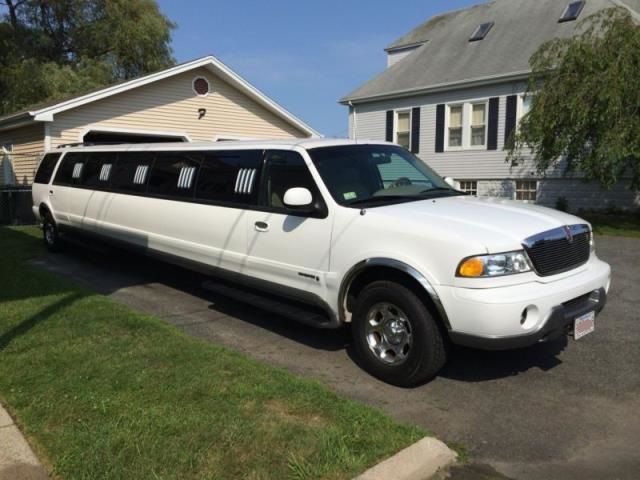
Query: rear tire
(52, 240)
(395, 336)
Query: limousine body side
(365, 231)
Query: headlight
(494, 265)
(592, 242)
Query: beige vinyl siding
(170, 106)
(28, 146)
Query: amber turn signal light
(472, 267)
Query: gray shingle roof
(446, 56)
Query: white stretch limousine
(359, 233)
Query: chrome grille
(558, 250)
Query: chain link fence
(16, 173)
(15, 206)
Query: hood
(499, 225)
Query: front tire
(395, 336)
(52, 240)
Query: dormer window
(481, 32)
(572, 12)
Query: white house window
(403, 129)
(455, 126)
(524, 105)
(478, 124)
(469, 186)
(467, 125)
(526, 190)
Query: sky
(303, 54)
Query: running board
(296, 311)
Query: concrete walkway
(17, 460)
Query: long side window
(285, 170)
(131, 172)
(230, 177)
(174, 174)
(97, 170)
(71, 170)
(46, 168)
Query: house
(198, 100)
(453, 91)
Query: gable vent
(77, 170)
(105, 171)
(572, 12)
(185, 180)
(481, 31)
(141, 174)
(244, 180)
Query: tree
(55, 48)
(585, 102)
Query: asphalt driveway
(563, 410)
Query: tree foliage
(56, 48)
(585, 102)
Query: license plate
(584, 324)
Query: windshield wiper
(437, 189)
(383, 198)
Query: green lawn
(617, 224)
(103, 391)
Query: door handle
(262, 226)
(50, 192)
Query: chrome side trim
(359, 267)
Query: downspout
(355, 120)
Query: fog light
(529, 317)
(523, 317)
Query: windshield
(376, 175)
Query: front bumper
(521, 315)
(559, 323)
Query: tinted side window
(131, 172)
(47, 165)
(230, 177)
(174, 174)
(98, 169)
(71, 169)
(285, 170)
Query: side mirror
(450, 181)
(298, 197)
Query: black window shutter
(415, 130)
(510, 120)
(492, 136)
(389, 129)
(440, 128)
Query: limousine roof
(307, 143)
